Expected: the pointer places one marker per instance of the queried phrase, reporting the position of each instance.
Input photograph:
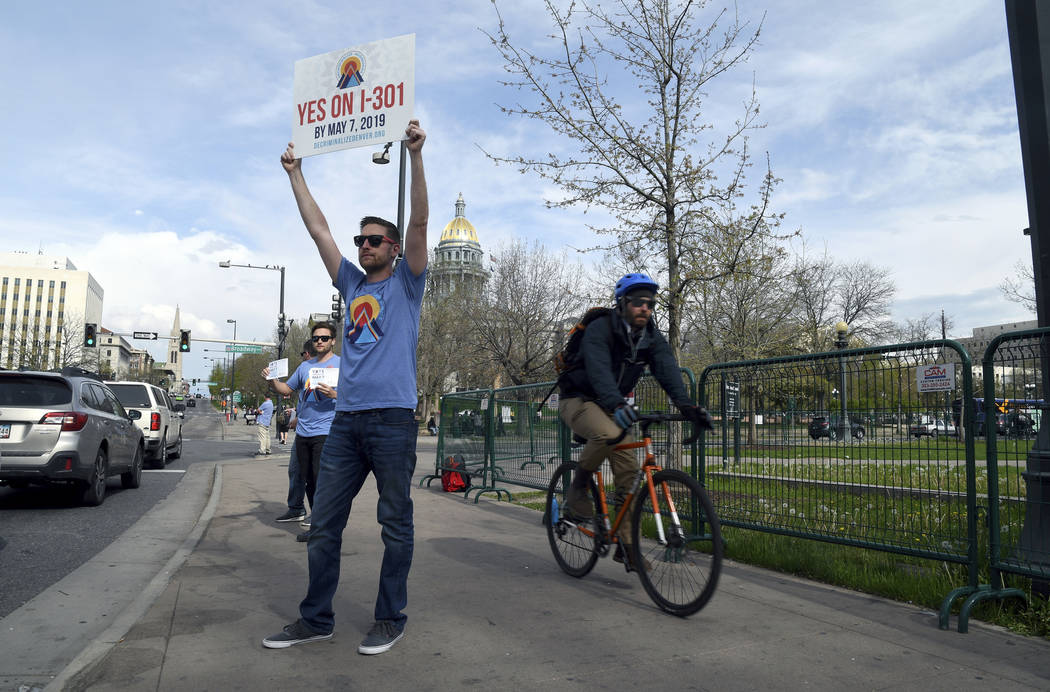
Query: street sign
(939, 377)
(731, 399)
(152, 336)
(237, 397)
(243, 348)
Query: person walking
(262, 426)
(296, 480)
(316, 409)
(374, 430)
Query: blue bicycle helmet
(630, 282)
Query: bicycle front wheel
(573, 540)
(679, 552)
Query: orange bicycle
(677, 540)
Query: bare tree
(825, 292)
(748, 315)
(443, 354)
(35, 349)
(518, 324)
(1021, 287)
(675, 187)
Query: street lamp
(841, 343)
(383, 158)
(226, 264)
(233, 360)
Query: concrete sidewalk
(489, 608)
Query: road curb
(79, 670)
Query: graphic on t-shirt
(363, 316)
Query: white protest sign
(278, 368)
(354, 97)
(936, 378)
(328, 376)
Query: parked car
(932, 429)
(66, 428)
(161, 424)
(833, 429)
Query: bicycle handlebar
(647, 419)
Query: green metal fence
(464, 435)
(1010, 412)
(870, 447)
(506, 437)
(846, 447)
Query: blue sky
(143, 142)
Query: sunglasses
(642, 302)
(320, 339)
(373, 240)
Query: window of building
(63, 284)
(40, 283)
(18, 282)
(51, 284)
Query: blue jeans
(296, 485)
(383, 442)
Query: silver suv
(161, 425)
(67, 428)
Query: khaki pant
(588, 419)
(263, 431)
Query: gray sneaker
(383, 635)
(578, 504)
(292, 515)
(296, 633)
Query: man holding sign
(316, 408)
(374, 430)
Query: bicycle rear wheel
(680, 574)
(574, 550)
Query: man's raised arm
(415, 241)
(314, 219)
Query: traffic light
(89, 335)
(337, 308)
(184, 341)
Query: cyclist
(613, 355)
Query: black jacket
(607, 370)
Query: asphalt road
(45, 533)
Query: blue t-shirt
(379, 338)
(316, 411)
(265, 413)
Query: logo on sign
(350, 70)
(935, 372)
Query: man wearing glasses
(613, 355)
(316, 411)
(374, 430)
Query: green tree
(675, 185)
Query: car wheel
(178, 448)
(858, 434)
(160, 459)
(133, 478)
(95, 491)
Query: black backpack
(568, 358)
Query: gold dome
(459, 230)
